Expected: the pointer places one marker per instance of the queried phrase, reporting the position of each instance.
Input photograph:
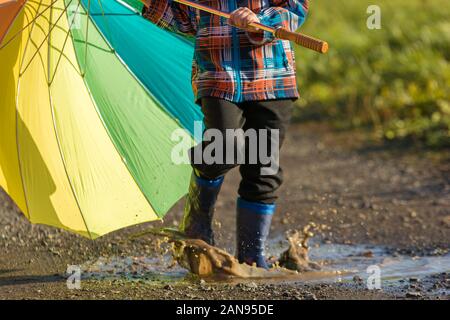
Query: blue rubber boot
(199, 208)
(253, 226)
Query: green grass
(395, 81)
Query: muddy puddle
(338, 263)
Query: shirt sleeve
(171, 16)
(288, 14)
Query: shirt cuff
(259, 37)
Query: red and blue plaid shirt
(230, 63)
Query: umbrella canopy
(91, 94)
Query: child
(242, 78)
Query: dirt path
(394, 197)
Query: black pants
(222, 115)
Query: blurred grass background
(394, 81)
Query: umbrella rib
(48, 47)
(87, 37)
(145, 89)
(138, 80)
(27, 25)
(105, 127)
(50, 76)
(17, 113)
(58, 142)
(45, 39)
(103, 15)
(135, 77)
(25, 49)
(128, 69)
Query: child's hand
(242, 17)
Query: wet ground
(378, 210)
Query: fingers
(242, 18)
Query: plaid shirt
(230, 63)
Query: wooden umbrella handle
(302, 40)
(280, 33)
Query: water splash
(338, 262)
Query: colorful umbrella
(90, 95)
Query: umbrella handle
(280, 33)
(302, 40)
